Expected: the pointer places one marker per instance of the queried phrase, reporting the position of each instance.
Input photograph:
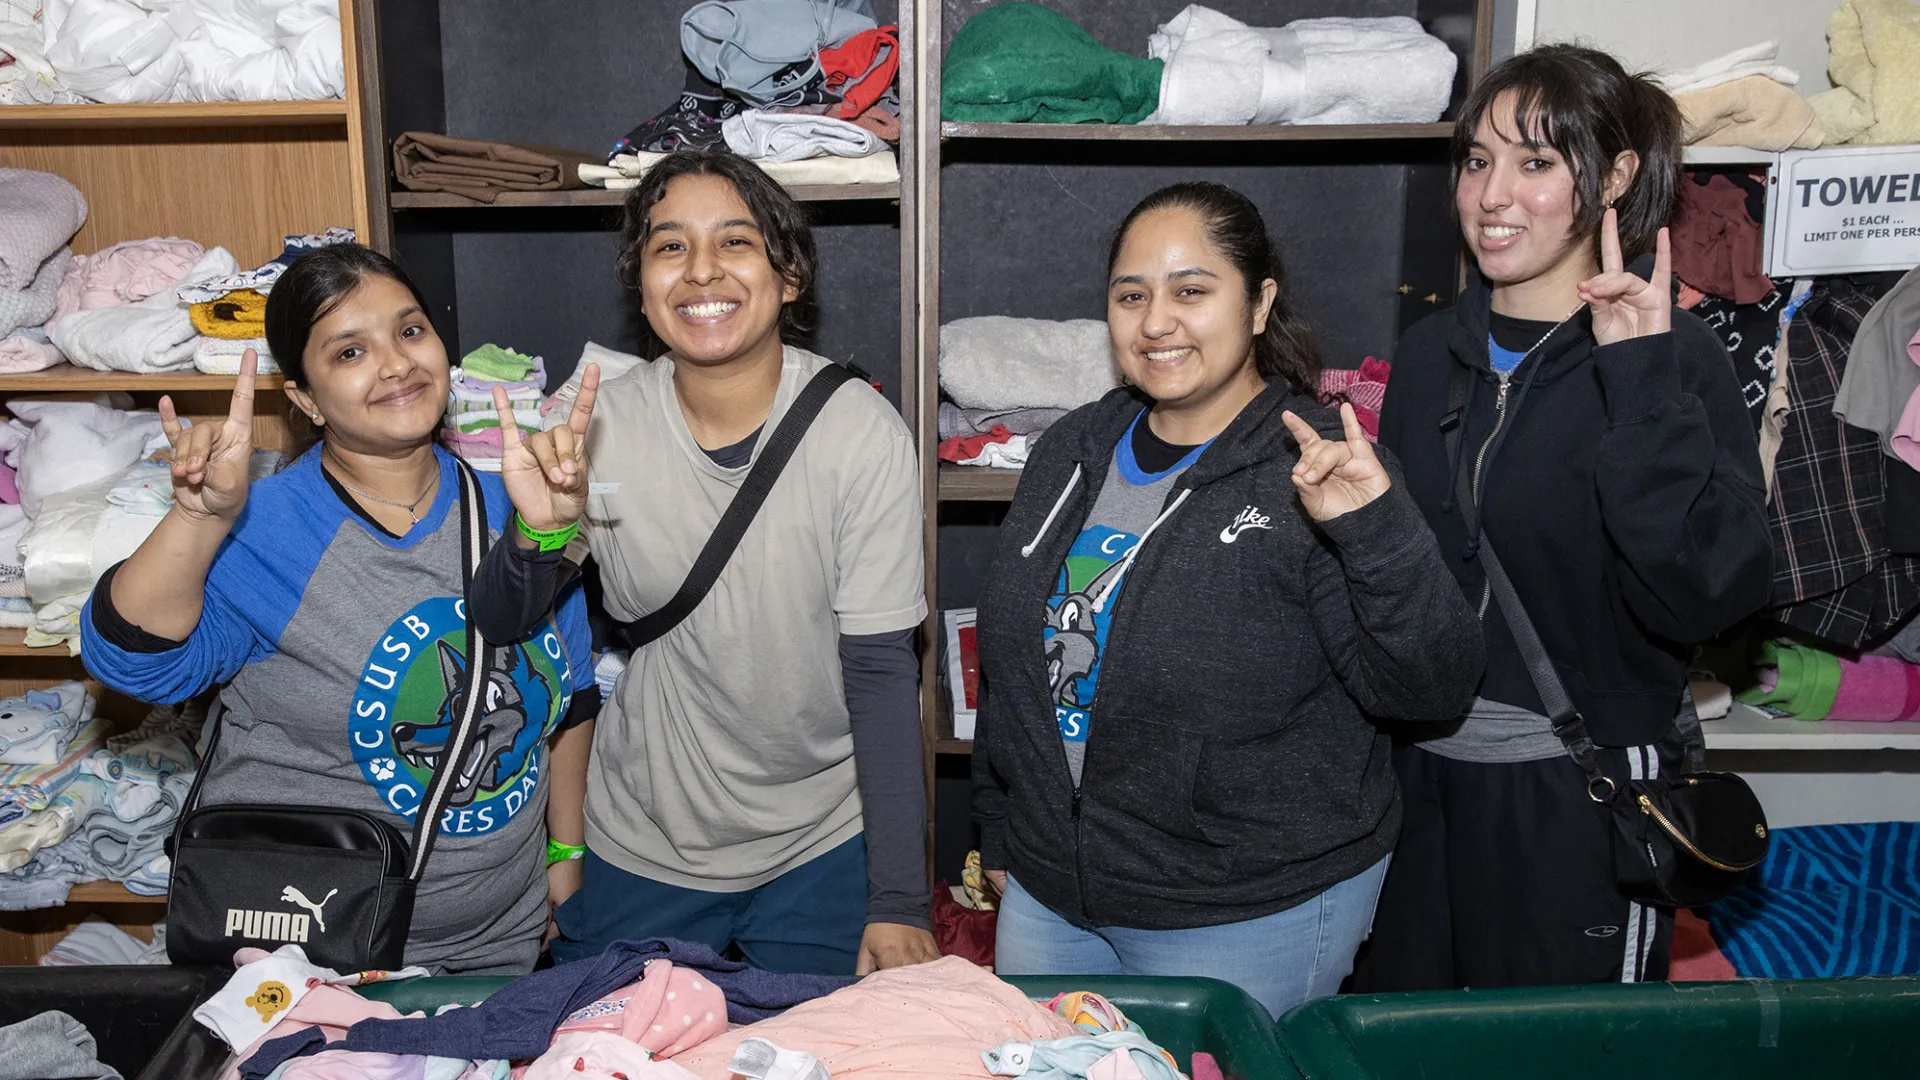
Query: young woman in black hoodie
(1222, 578)
(1606, 445)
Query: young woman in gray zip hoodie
(1230, 584)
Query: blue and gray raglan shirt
(339, 643)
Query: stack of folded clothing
(1310, 71)
(42, 800)
(480, 170)
(230, 312)
(148, 336)
(147, 780)
(1744, 98)
(39, 213)
(1008, 379)
(97, 942)
(473, 421)
(1807, 683)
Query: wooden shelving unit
(976, 483)
(240, 175)
(440, 200)
(186, 115)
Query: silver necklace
(407, 506)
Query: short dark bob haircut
(781, 221)
(1582, 103)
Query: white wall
(1647, 34)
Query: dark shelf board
(442, 200)
(977, 483)
(962, 747)
(1196, 132)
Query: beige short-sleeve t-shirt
(724, 757)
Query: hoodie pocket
(1146, 775)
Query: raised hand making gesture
(1624, 305)
(210, 460)
(545, 473)
(1335, 476)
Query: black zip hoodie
(1624, 493)
(1232, 770)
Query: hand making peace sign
(1625, 306)
(210, 460)
(1336, 476)
(546, 472)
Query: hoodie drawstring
(1072, 481)
(1100, 602)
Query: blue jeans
(807, 920)
(1285, 959)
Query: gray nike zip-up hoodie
(1234, 767)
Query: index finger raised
(1610, 241)
(582, 412)
(509, 427)
(241, 411)
(1303, 432)
(1350, 423)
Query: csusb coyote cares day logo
(403, 716)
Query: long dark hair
(310, 290)
(1285, 350)
(1581, 102)
(779, 218)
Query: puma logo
(291, 895)
(1250, 518)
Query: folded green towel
(497, 364)
(1023, 62)
(1807, 680)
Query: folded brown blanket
(424, 161)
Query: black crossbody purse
(339, 883)
(1678, 841)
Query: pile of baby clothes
(145, 775)
(472, 424)
(46, 792)
(127, 316)
(1744, 98)
(803, 87)
(230, 313)
(39, 213)
(1005, 380)
(120, 51)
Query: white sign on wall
(1843, 211)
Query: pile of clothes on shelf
(1005, 380)
(97, 942)
(472, 426)
(83, 482)
(1022, 62)
(1745, 98)
(64, 52)
(675, 1011)
(141, 306)
(805, 88)
(80, 804)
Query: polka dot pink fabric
(669, 1011)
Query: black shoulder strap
(1567, 721)
(465, 712)
(740, 512)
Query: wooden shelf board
(109, 892)
(976, 483)
(442, 200)
(13, 643)
(1196, 132)
(183, 115)
(1748, 728)
(953, 746)
(73, 377)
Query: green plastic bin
(1755, 1029)
(1183, 1015)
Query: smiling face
(1517, 204)
(375, 370)
(706, 282)
(1178, 316)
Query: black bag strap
(1568, 724)
(740, 511)
(473, 547)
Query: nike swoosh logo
(1232, 532)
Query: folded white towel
(1000, 362)
(222, 356)
(772, 137)
(1738, 64)
(1310, 71)
(626, 170)
(152, 336)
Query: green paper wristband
(552, 540)
(558, 852)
